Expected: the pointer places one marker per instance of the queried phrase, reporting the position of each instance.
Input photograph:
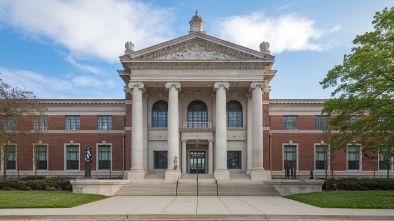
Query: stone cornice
(83, 101)
(204, 40)
(196, 65)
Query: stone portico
(196, 101)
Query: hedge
(358, 184)
(37, 183)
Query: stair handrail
(176, 187)
(217, 187)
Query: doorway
(197, 162)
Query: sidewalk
(196, 208)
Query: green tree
(17, 133)
(364, 87)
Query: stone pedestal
(222, 174)
(135, 175)
(260, 175)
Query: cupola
(196, 24)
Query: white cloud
(42, 86)
(89, 28)
(83, 67)
(286, 33)
(57, 87)
(88, 81)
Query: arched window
(160, 114)
(234, 114)
(197, 112)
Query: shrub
(358, 184)
(50, 184)
(38, 177)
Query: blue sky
(71, 48)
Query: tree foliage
(364, 86)
(17, 110)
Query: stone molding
(140, 85)
(170, 84)
(196, 48)
(195, 65)
(217, 85)
(255, 85)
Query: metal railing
(197, 124)
(217, 187)
(176, 187)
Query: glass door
(197, 161)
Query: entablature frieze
(196, 65)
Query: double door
(197, 161)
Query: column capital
(211, 140)
(184, 140)
(140, 85)
(254, 85)
(248, 95)
(173, 83)
(218, 84)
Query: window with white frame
(385, 159)
(321, 157)
(72, 122)
(104, 122)
(72, 157)
(353, 119)
(9, 123)
(40, 123)
(41, 157)
(10, 151)
(104, 157)
(321, 122)
(289, 122)
(353, 157)
(290, 156)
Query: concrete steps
(187, 186)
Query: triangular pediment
(197, 46)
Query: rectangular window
(104, 122)
(104, 157)
(9, 123)
(353, 119)
(234, 159)
(290, 156)
(353, 157)
(41, 123)
(11, 157)
(321, 122)
(289, 122)
(160, 159)
(72, 122)
(41, 157)
(72, 157)
(321, 157)
(385, 159)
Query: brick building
(194, 104)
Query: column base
(260, 175)
(222, 174)
(135, 175)
(172, 175)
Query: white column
(173, 131)
(137, 171)
(221, 171)
(257, 172)
(210, 156)
(184, 160)
(249, 133)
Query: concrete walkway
(196, 208)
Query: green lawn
(44, 199)
(348, 199)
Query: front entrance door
(197, 162)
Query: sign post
(88, 163)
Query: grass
(44, 199)
(348, 199)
